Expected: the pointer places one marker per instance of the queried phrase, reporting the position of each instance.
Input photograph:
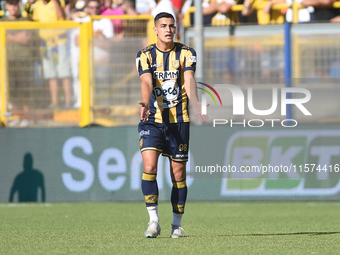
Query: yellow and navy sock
(150, 189)
(179, 196)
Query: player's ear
(155, 30)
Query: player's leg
(178, 136)
(178, 196)
(151, 146)
(150, 191)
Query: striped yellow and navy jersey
(169, 101)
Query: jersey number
(183, 147)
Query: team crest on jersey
(175, 64)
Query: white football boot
(154, 229)
(176, 231)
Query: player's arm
(191, 90)
(144, 70)
(146, 87)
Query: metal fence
(60, 74)
(256, 57)
(98, 83)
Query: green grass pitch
(211, 228)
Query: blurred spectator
(20, 59)
(178, 4)
(217, 7)
(206, 18)
(117, 24)
(304, 13)
(102, 28)
(129, 7)
(324, 14)
(28, 7)
(133, 28)
(211, 9)
(164, 6)
(252, 18)
(78, 14)
(54, 49)
(144, 6)
(75, 8)
(266, 15)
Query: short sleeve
(190, 60)
(142, 64)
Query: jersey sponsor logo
(192, 59)
(163, 75)
(175, 64)
(169, 90)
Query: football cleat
(154, 229)
(176, 231)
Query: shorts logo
(192, 59)
(168, 91)
(175, 64)
(181, 155)
(144, 132)
(141, 143)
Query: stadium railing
(232, 18)
(26, 101)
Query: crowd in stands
(253, 11)
(54, 45)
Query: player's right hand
(197, 107)
(144, 111)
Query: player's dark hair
(12, 2)
(163, 15)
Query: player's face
(165, 30)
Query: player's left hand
(197, 109)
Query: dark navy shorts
(171, 139)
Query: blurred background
(69, 91)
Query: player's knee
(179, 175)
(149, 169)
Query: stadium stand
(114, 85)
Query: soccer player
(167, 72)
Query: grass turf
(212, 227)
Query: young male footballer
(166, 69)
